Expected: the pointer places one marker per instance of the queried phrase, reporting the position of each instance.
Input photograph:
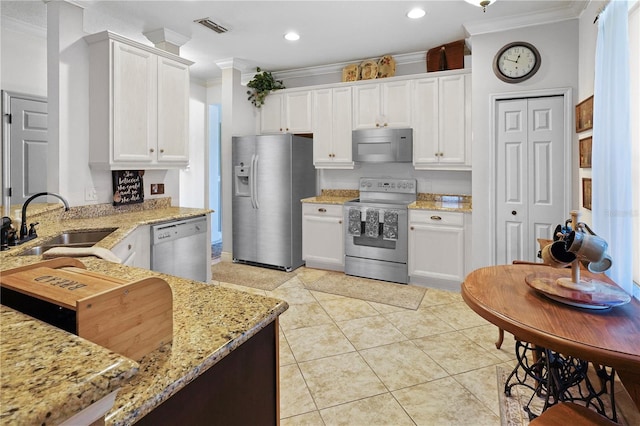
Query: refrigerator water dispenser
(241, 177)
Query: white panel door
(530, 175)
(28, 140)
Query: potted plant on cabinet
(262, 84)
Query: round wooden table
(500, 295)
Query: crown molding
(239, 64)
(166, 35)
(403, 58)
(487, 26)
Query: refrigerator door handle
(255, 182)
(251, 175)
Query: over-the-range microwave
(382, 145)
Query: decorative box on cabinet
(442, 122)
(139, 111)
(286, 112)
(382, 104)
(332, 128)
(323, 236)
(437, 247)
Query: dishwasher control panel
(177, 229)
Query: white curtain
(611, 151)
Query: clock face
(516, 62)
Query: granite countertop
(443, 202)
(209, 321)
(48, 374)
(425, 201)
(333, 196)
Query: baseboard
(437, 283)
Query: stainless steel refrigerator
(271, 174)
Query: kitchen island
(223, 357)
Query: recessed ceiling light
(291, 36)
(416, 13)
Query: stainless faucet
(31, 233)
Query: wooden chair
(568, 413)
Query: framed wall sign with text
(127, 187)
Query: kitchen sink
(70, 239)
(80, 237)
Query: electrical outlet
(157, 188)
(90, 194)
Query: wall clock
(516, 62)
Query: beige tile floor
(345, 361)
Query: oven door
(393, 248)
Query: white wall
(23, 58)
(558, 46)
(193, 180)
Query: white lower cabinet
(323, 236)
(436, 246)
(134, 249)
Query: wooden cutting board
(130, 318)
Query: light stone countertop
(333, 196)
(425, 201)
(209, 321)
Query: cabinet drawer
(322, 209)
(436, 217)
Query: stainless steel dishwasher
(179, 248)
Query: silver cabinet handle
(436, 218)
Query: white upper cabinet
(286, 112)
(139, 110)
(173, 111)
(332, 128)
(382, 104)
(442, 122)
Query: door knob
(513, 212)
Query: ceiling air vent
(211, 25)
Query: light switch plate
(90, 194)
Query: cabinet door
(134, 249)
(323, 236)
(173, 111)
(342, 126)
(322, 125)
(298, 112)
(425, 121)
(271, 114)
(134, 104)
(396, 104)
(366, 106)
(436, 252)
(452, 129)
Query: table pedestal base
(555, 377)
